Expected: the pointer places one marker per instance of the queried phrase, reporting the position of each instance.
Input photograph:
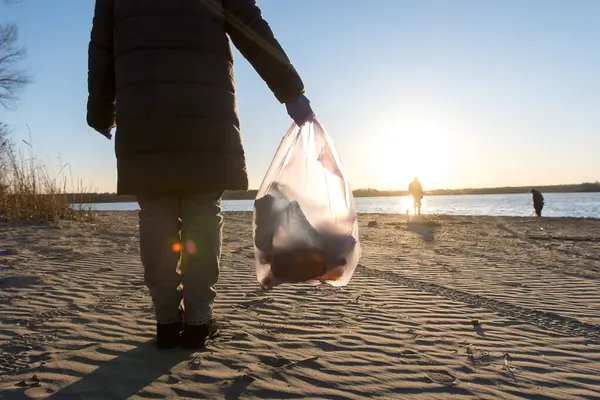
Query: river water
(518, 205)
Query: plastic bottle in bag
(305, 222)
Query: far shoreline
(359, 193)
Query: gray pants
(180, 244)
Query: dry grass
(29, 192)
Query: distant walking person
(538, 202)
(415, 190)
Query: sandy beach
(492, 308)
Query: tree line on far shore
(586, 187)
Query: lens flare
(190, 247)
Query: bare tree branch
(12, 79)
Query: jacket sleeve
(253, 37)
(101, 69)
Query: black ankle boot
(195, 336)
(168, 335)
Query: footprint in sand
(240, 384)
(443, 378)
(256, 302)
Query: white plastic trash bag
(305, 223)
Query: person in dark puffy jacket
(162, 73)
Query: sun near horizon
(407, 148)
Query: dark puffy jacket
(162, 72)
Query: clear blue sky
(462, 93)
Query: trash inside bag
(305, 222)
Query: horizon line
(564, 185)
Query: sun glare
(413, 150)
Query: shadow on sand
(125, 375)
(423, 227)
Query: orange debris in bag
(298, 265)
(333, 275)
